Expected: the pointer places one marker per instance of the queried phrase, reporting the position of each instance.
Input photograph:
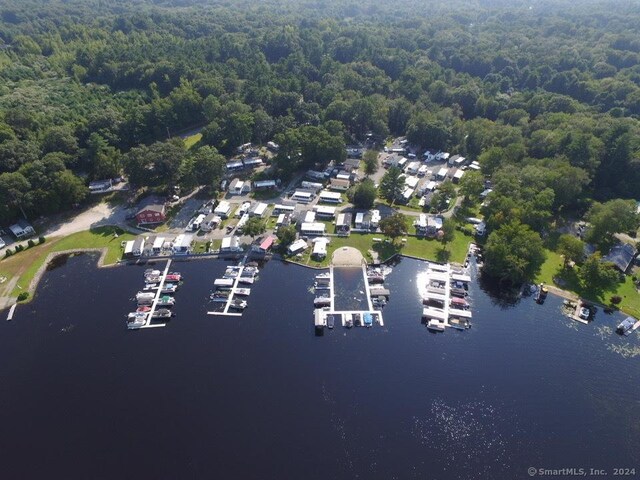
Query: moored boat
(321, 301)
(145, 297)
(246, 280)
(169, 288)
(166, 301)
(330, 321)
(243, 291)
(435, 326)
(173, 277)
(368, 319)
(238, 304)
(162, 313)
(136, 320)
(626, 326)
(542, 293)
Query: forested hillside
(546, 97)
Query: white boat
(435, 325)
(238, 304)
(136, 320)
(323, 275)
(169, 288)
(243, 291)
(145, 297)
(246, 280)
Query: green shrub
(31, 243)
(41, 240)
(8, 252)
(19, 248)
(616, 299)
(23, 296)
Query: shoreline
(32, 288)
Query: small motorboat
(626, 326)
(143, 309)
(162, 313)
(435, 326)
(368, 320)
(173, 277)
(238, 304)
(348, 320)
(136, 320)
(166, 301)
(243, 292)
(246, 280)
(542, 294)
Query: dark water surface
(261, 397)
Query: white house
(302, 196)
(412, 168)
(22, 229)
(210, 222)
(320, 248)
(313, 228)
(310, 217)
(297, 247)
(363, 221)
(223, 209)
(330, 197)
(457, 176)
(259, 210)
(239, 187)
(325, 212)
(158, 244)
(182, 243)
(375, 218)
(230, 244)
(278, 209)
(316, 187)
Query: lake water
(262, 397)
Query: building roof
(264, 183)
(621, 256)
(154, 207)
(267, 243)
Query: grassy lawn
(200, 247)
(264, 194)
(427, 249)
(25, 264)
(553, 267)
(192, 140)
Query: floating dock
(148, 323)
(445, 304)
(232, 285)
(11, 311)
(320, 317)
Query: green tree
(571, 248)
(286, 235)
(370, 158)
(607, 219)
(448, 232)
(471, 185)
(596, 275)
(365, 194)
(255, 226)
(513, 253)
(394, 226)
(392, 184)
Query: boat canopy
(460, 277)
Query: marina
(445, 297)
(226, 289)
(148, 301)
(350, 265)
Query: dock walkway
(148, 323)
(232, 293)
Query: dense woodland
(545, 95)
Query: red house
(151, 214)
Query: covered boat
(166, 301)
(136, 320)
(173, 277)
(368, 319)
(435, 325)
(162, 313)
(238, 304)
(145, 297)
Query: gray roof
(621, 256)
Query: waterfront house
(319, 248)
(182, 244)
(621, 256)
(158, 245)
(137, 247)
(22, 229)
(230, 245)
(151, 214)
(297, 247)
(128, 249)
(421, 224)
(266, 244)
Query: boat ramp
(326, 315)
(445, 298)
